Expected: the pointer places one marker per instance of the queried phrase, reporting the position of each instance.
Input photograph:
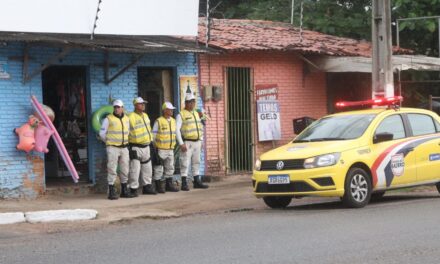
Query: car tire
(438, 186)
(377, 196)
(357, 188)
(277, 202)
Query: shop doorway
(239, 140)
(64, 90)
(156, 85)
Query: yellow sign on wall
(188, 84)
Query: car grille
(293, 164)
(298, 186)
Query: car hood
(308, 149)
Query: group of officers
(137, 149)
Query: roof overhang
(363, 64)
(111, 43)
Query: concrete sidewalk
(233, 193)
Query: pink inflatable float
(25, 133)
(58, 142)
(42, 135)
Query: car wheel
(377, 195)
(277, 201)
(357, 188)
(438, 186)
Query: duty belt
(139, 145)
(120, 146)
(193, 140)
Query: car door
(394, 160)
(426, 146)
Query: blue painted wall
(21, 174)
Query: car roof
(383, 109)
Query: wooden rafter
(108, 79)
(27, 77)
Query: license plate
(279, 179)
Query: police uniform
(164, 132)
(114, 132)
(190, 133)
(139, 140)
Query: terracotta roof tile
(258, 35)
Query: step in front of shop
(77, 189)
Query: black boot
(134, 192)
(198, 184)
(169, 186)
(148, 189)
(112, 193)
(160, 186)
(124, 191)
(184, 184)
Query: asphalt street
(399, 229)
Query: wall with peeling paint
(21, 174)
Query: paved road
(400, 229)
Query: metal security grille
(239, 120)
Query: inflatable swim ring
(99, 116)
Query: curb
(48, 216)
(12, 218)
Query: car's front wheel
(357, 188)
(277, 201)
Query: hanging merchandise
(61, 95)
(73, 101)
(42, 135)
(26, 134)
(82, 100)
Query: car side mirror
(381, 137)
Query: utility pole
(291, 12)
(382, 72)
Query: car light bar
(372, 102)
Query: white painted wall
(118, 17)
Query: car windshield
(340, 127)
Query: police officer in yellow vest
(189, 137)
(139, 141)
(114, 132)
(164, 132)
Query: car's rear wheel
(357, 188)
(277, 201)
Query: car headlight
(322, 160)
(258, 164)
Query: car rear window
(421, 124)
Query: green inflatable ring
(99, 116)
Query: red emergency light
(372, 102)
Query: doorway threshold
(69, 188)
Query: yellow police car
(354, 155)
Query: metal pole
(439, 37)
(207, 23)
(397, 33)
(382, 72)
(291, 15)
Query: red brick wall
(301, 93)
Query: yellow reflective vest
(192, 128)
(140, 129)
(117, 132)
(166, 133)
